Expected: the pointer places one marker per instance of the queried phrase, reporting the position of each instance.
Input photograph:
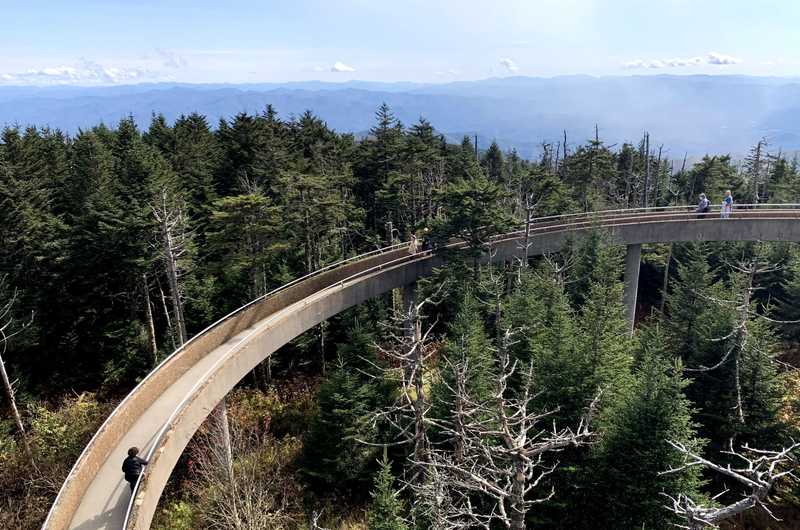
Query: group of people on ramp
(420, 241)
(704, 206)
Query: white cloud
(713, 58)
(722, 59)
(631, 65)
(509, 64)
(320, 69)
(85, 71)
(339, 66)
(677, 61)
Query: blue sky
(116, 42)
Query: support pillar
(633, 257)
(409, 299)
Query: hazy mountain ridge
(694, 114)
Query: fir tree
(386, 509)
(626, 482)
(474, 212)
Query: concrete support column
(633, 257)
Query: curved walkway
(162, 413)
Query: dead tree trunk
(9, 388)
(172, 228)
(170, 329)
(645, 195)
(6, 321)
(222, 433)
(151, 328)
(759, 471)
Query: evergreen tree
(386, 509)
(626, 485)
(467, 344)
(473, 212)
(539, 308)
(319, 216)
(603, 335)
(494, 164)
(378, 156)
(335, 454)
(591, 170)
(194, 160)
(245, 233)
(253, 154)
(712, 176)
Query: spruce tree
(386, 509)
(494, 164)
(473, 212)
(603, 335)
(626, 485)
(467, 344)
(539, 308)
(335, 454)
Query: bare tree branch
(759, 471)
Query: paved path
(99, 500)
(106, 500)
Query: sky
(108, 42)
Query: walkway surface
(99, 500)
(104, 504)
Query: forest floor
(267, 435)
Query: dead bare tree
(6, 333)
(408, 355)
(501, 452)
(174, 242)
(252, 499)
(315, 515)
(531, 204)
(151, 327)
(759, 472)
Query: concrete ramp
(163, 412)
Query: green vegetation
(118, 244)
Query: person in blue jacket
(727, 205)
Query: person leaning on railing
(132, 466)
(703, 206)
(727, 205)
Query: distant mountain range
(687, 114)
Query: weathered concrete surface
(95, 495)
(633, 259)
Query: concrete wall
(271, 335)
(143, 396)
(288, 318)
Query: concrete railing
(287, 312)
(170, 369)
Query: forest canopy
(507, 395)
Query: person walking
(132, 466)
(703, 206)
(727, 205)
(413, 245)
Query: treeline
(258, 201)
(119, 244)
